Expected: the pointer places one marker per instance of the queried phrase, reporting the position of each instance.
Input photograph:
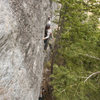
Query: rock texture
(22, 25)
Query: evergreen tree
(78, 52)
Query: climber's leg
(40, 98)
(45, 44)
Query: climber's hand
(43, 38)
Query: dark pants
(46, 42)
(40, 98)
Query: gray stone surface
(22, 25)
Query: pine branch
(91, 75)
(62, 91)
(87, 55)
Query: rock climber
(47, 37)
(48, 34)
(47, 24)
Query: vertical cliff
(22, 25)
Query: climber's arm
(48, 35)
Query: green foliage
(78, 55)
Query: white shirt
(49, 32)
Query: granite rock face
(22, 25)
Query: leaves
(79, 51)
